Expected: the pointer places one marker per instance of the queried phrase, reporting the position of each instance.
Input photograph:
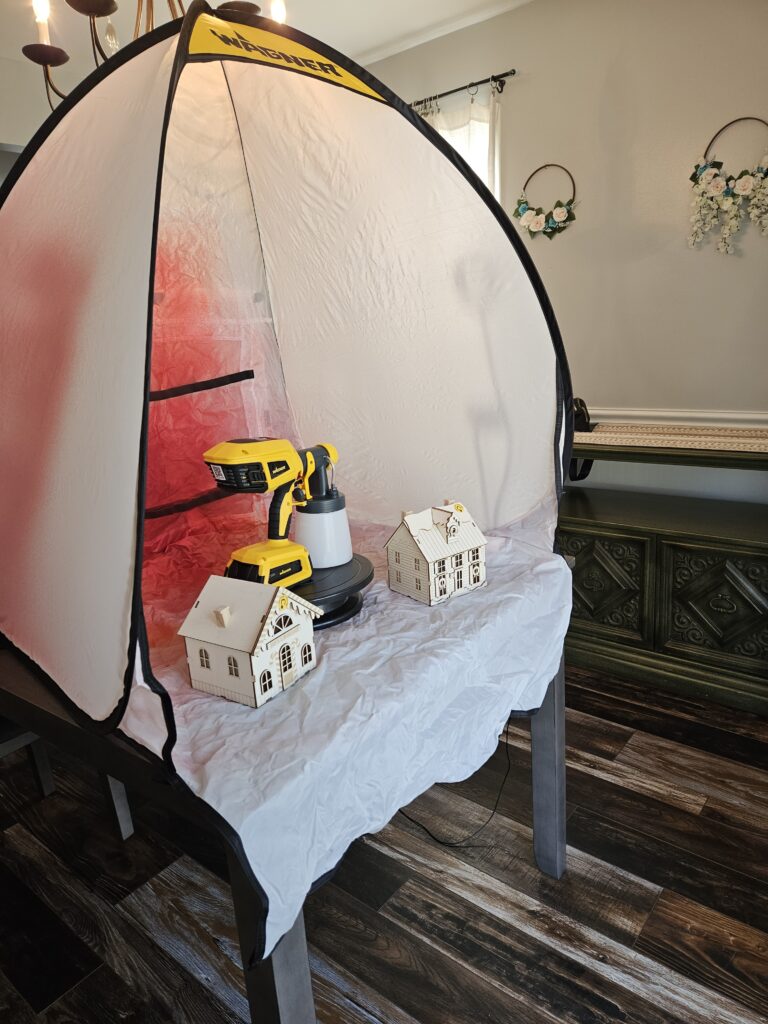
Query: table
(279, 988)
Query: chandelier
(48, 56)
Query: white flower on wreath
(537, 223)
(726, 203)
(526, 218)
(744, 185)
(708, 175)
(559, 214)
(716, 186)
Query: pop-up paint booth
(230, 230)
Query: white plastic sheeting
(410, 334)
(403, 696)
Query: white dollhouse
(436, 553)
(248, 641)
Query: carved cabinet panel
(670, 590)
(612, 585)
(715, 603)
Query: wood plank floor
(662, 917)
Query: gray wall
(7, 160)
(627, 94)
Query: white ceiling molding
(365, 31)
(434, 31)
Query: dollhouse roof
(249, 605)
(429, 530)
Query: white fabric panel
(403, 696)
(75, 247)
(410, 334)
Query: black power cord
(486, 823)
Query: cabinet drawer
(612, 584)
(714, 605)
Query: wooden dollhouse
(435, 554)
(248, 641)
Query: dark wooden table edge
(707, 458)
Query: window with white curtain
(471, 124)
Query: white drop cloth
(404, 696)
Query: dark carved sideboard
(670, 590)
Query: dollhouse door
(287, 658)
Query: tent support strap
(279, 988)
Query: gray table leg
(279, 988)
(41, 767)
(117, 798)
(548, 769)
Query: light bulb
(110, 36)
(42, 9)
(279, 12)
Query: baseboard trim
(743, 692)
(692, 417)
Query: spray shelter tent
(231, 230)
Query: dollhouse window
(398, 578)
(458, 560)
(442, 587)
(265, 681)
(397, 558)
(475, 555)
(234, 668)
(440, 565)
(205, 658)
(286, 658)
(459, 579)
(475, 573)
(306, 654)
(417, 564)
(418, 583)
(451, 530)
(282, 623)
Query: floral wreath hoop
(722, 199)
(556, 220)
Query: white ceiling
(367, 30)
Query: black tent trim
(174, 507)
(200, 385)
(138, 620)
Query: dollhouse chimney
(222, 615)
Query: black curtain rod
(483, 81)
